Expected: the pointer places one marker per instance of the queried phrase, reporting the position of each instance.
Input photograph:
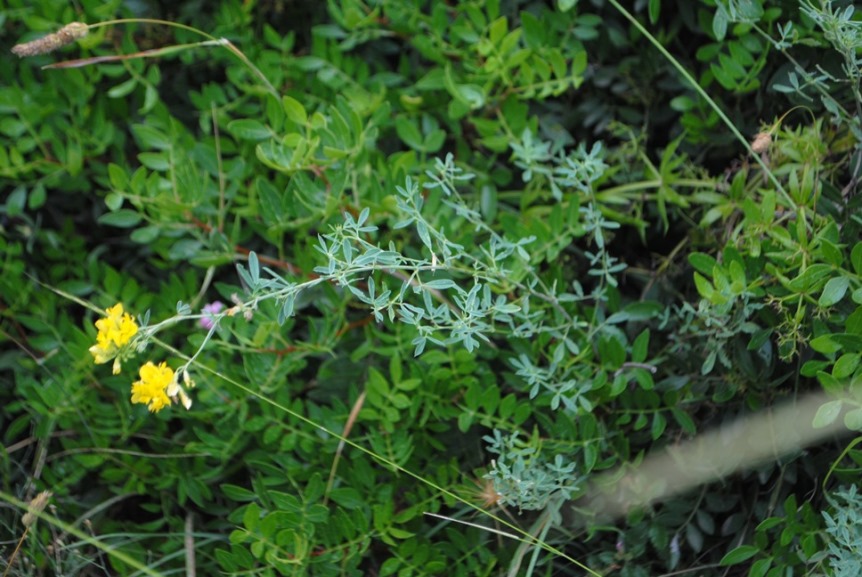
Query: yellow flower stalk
(153, 387)
(115, 331)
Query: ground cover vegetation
(402, 287)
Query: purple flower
(213, 308)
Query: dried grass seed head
(36, 506)
(66, 35)
(761, 142)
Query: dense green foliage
(473, 256)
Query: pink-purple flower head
(209, 310)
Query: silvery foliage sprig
(579, 172)
(844, 529)
(448, 294)
(524, 478)
(565, 385)
(579, 169)
(564, 382)
(428, 297)
(431, 295)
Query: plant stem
(222, 41)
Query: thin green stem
(222, 41)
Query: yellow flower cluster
(115, 331)
(158, 384)
(152, 389)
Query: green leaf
(440, 284)
(856, 258)
(400, 533)
(853, 420)
(845, 365)
(825, 344)
(184, 249)
(738, 555)
(124, 89)
(636, 311)
(16, 201)
(114, 201)
(760, 567)
(118, 176)
(591, 456)
(733, 68)
(251, 516)
(347, 497)
(497, 30)
(809, 280)
(694, 537)
(377, 389)
(37, 197)
(828, 382)
(769, 523)
(155, 161)
(470, 95)
(253, 267)
(149, 137)
(719, 23)
(151, 97)
(534, 30)
(737, 277)
(400, 401)
(465, 420)
(683, 104)
(123, 218)
(237, 493)
(488, 202)
(654, 10)
(826, 414)
(658, 426)
(834, 291)
(409, 133)
(208, 258)
(145, 234)
(684, 421)
(295, 110)
(249, 129)
(704, 287)
(758, 339)
(726, 80)
(271, 203)
(853, 323)
(407, 384)
(640, 347)
(434, 140)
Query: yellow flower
(115, 330)
(152, 388)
